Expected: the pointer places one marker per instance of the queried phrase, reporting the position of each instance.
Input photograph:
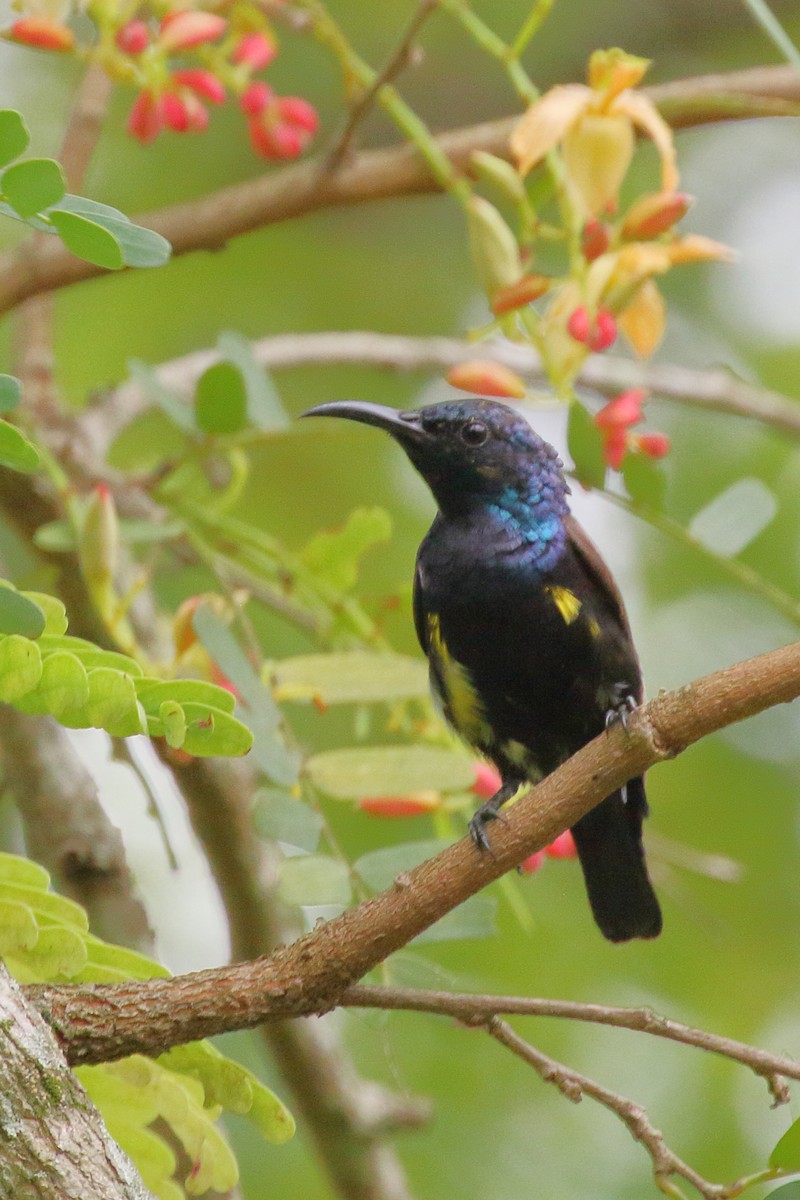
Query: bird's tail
(609, 844)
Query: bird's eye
(474, 433)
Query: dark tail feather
(609, 843)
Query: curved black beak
(406, 427)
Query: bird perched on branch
(529, 646)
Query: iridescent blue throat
(531, 518)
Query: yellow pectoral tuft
(460, 696)
(565, 601)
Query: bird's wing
(420, 621)
(590, 559)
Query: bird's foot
(490, 811)
(622, 704)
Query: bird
(528, 643)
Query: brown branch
(714, 389)
(574, 1086)
(402, 57)
(347, 1117)
(66, 829)
(208, 223)
(103, 1022)
(477, 1009)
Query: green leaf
(49, 908)
(645, 480)
(212, 732)
(351, 774)
(55, 612)
(18, 928)
(10, 392)
(15, 449)
(181, 415)
(585, 445)
(14, 869)
(20, 664)
(220, 404)
(735, 517)
(88, 240)
(282, 818)
(789, 1191)
(351, 677)
(173, 720)
(112, 702)
(787, 1152)
(19, 614)
(263, 717)
(33, 185)
(314, 879)
(380, 868)
(334, 555)
(89, 654)
(64, 688)
(140, 247)
(59, 951)
(14, 136)
(153, 692)
(264, 407)
(149, 440)
(128, 963)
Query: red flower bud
(186, 28)
(254, 50)
(133, 38)
(487, 780)
(487, 378)
(594, 239)
(562, 847)
(174, 112)
(624, 410)
(527, 289)
(203, 83)
(654, 445)
(146, 120)
(42, 32)
(298, 112)
(414, 804)
(655, 214)
(615, 446)
(255, 98)
(532, 863)
(597, 334)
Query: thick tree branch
(53, 1144)
(103, 1022)
(208, 223)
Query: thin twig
(574, 1086)
(402, 57)
(472, 1009)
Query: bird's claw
(478, 823)
(623, 703)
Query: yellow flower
(596, 124)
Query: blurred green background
(729, 958)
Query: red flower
(598, 332)
(654, 445)
(186, 28)
(594, 239)
(532, 863)
(255, 50)
(133, 38)
(562, 847)
(279, 126)
(614, 422)
(146, 119)
(203, 83)
(487, 780)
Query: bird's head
(470, 452)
